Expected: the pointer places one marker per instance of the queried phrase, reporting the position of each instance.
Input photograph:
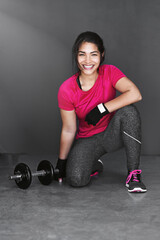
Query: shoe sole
(136, 189)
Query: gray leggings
(124, 129)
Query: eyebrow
(90, 52)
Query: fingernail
(60, 180)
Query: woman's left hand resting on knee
(130, 94)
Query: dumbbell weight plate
(25, 181)
(48, 168)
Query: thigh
(81, 161)
(126, 119)
(112, 138)
(81, 157)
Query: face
(88, 58)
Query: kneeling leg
(80, 162)
(125, 130)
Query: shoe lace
(94, 174)
(134, 174)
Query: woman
(106, 122)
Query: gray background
(36, 37)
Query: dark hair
(90, 37)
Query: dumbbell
(23, 175)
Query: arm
(130, 94)
(69, 127)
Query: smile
(88, 67)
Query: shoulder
(111, 70)
(67, 93)
(107, 67)
(69, 84)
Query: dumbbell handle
(39, 173)
(43, 173)
(35, 174)
(14, 177)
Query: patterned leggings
(124, 130)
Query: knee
(130, 112)
(77, 180)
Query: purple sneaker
(134, 183)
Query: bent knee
(78, 180)
(130, 110)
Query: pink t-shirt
(71, 97)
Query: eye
(81, 54)
(94, 55)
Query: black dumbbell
(23, 176)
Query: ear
(102, 57)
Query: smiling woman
(88, 37)
(106, 122)
(88, 60)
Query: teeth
(88, 66)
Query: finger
(60, 180)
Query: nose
(87, 59)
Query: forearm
(66, 141)
(124, 99)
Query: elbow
(70, 130)
(74, 131)
(136, 95)
(139, 97)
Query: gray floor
(102, 210)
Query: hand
(96, 114)
(61, 166)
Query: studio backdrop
(36, 38)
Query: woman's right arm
(69, 127)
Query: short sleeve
(116, 74)
(64, 99)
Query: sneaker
(134, 183)
(98, 168)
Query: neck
(88, 78)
